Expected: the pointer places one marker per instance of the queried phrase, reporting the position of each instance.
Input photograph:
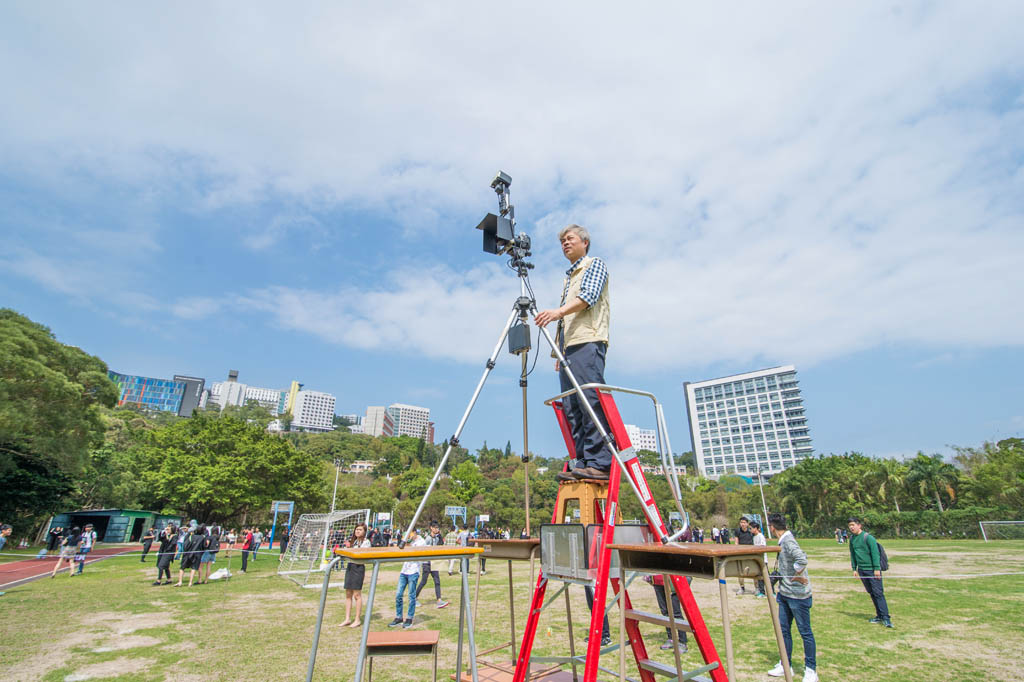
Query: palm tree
(932, 473)
(894, 475)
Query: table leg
(723, 593)
(469, 624)
(511, 610)
(572, 637)
(367, 615)
(776, 623)
(622, 633)
(666, 587)
(463, 565)
(320, 618)
(476, 594)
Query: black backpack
(883, 558)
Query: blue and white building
(748, 422)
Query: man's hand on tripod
(545, 316)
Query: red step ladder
(606, 518)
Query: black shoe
(590, 474)
(407, 624)
(888, 623)
(875, 620)
(565, 476)
(395, 623)
(157, 582)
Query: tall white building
(642, 439)
(410, 420)
(748, 422)
(271, 398)
(313, 411)
(377, 422)
(226, 393)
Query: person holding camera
(583, 319)
(794, 598)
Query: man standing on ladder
(583, 319)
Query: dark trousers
(424, 572)
(586, 361)
(874, 587)
(605, 633)
(245, 559)
(800, 610)
(163, 565)
(677, 611)
(145, 549)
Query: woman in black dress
(165, 554)
(354, 575)
(192, 554)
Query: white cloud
(781, 183)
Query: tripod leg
(462, 423)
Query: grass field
(112, 624)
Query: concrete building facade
(313, 411)
(410, 420)
(748, 422)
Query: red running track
(14, 573)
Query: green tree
(51, 399)
(219, 469)
(467, 481)
(894, 476)
(933, 475)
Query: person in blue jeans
(409, 577)
(794, 598)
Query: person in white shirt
(409, 576)
(759, 541)
(88, 540)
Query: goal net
(310, 543)
(1002, 530)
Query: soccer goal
(1002, 530)
(310, 544)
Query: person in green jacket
(866, 564)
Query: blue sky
(292, 193)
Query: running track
(14, 573)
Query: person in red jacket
(247, 545)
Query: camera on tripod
(500, 230)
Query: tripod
(500, 237)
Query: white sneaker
(777, 671)
(810, 675)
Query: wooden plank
(403, 638)
(425, 553)
(514, 550)
(699, 549)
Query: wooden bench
(402, 643)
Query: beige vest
(591, 323)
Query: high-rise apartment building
(748, 422)
(378, 422)
(313, 411)
(410, 420)
(642, 439)
(232, 392)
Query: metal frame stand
(466, 616)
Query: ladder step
(654, 619)
(670, 670)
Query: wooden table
(714, 562)
(402, 643)
(509, 550)
(385, 555)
